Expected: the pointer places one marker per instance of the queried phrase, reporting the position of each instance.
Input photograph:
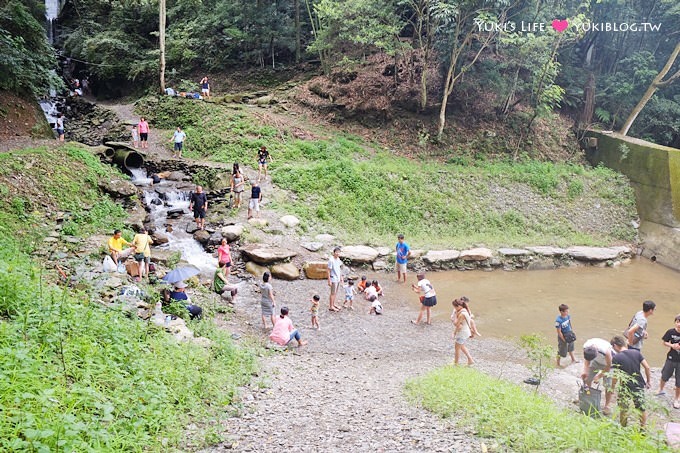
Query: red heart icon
(560, 25)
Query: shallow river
(602, 301)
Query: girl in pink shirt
(143, 128)
(284, 332)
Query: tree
(465, 19)
(657, 83)
(161, 42)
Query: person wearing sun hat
(179, 294)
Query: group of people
(238, 186)
(140, 249)
(623, 353)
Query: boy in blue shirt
(563, 327)
(403, 252)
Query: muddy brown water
(602, 301)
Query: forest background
(427, 58)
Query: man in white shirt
(598, 354)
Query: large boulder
(324, 237)
(312, 246)
(258, 222)
(256, 269)
(593, 253)
(118, 188)
(232, 232)
(267, 254)
(316, 270)
(161, 256)
(547, 250)
(290, 221)
(202, 236)
(513, 252)
(159, 238)
(440, 256)
(286, 271)
(476, 254)
(361, 254)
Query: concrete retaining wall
(654, 173)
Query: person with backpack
(636, 333)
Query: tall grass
(521, 421)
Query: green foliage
(27, 59)
(539, 354)
(522, 421)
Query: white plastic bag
(108, 265)
(121, 268)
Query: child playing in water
(473, 325)
(349, 294)
(461, 332)
(315, 311)
(135, 136)
(376, 306)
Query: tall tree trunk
(588, 100)
(298, 45)
(161, 42)
(656, 84)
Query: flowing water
(602, 301)
(179, 239)
(51, 13)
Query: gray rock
(267, 254)
(324, 237)
(175, 213)
(547, 250)
(50, 239)
(159, 238)
(256, 221)
(286, 271)
(361, 254)
(215, 238)
(593, 253)
(118, 188)
(232, 232)
(441, 256)
(312, 246)
(177, 176)
(476, 254)
(191, 228)
(202, 236)
(113, 282)
(290, 221)
(161, 256)
(383, 251)
(513, 252)
(379, 265)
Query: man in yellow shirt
(116, 243)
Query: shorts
(238, 195)
(637, 395)
(563, 347)
(204, 90)
(254, 204)
(349, 298)
(199, 213)
(178, 146)
(669, 368)
(594, 369)
(334, 287)
(461, 340)
(144, 136)
(430, 301)
(401, 268)
(60, 131)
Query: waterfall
(52, 8)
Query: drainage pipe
(128, 159)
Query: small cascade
(162, 198)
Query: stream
(163, 197)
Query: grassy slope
(363, 194)
(75, 376)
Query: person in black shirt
(199, 204)
(628, 362)
(671, 339)
(262, 156)
(255, 199)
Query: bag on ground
(108, 265)
(589, 400)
